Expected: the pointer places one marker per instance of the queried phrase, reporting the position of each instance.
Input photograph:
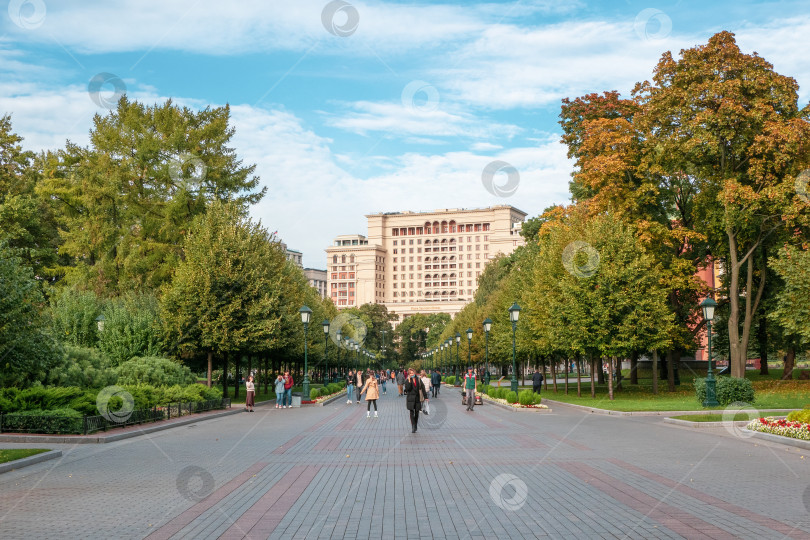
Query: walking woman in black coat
(414, 391)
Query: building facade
(317, 279)
(420, 262)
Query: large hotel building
(420, 262)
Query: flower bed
(321, 399)
(785, 428)
(513, 405)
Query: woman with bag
(414, 395)
(372, 391)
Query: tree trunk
(600, 373)
(266, 374)
(579, 376)
(554, 375)
(225, 375)
(566, 376)
(545, 378)
(762, 337)
(610, 378)
(671, 370)
(236, 365)
(634, 368)
(618, 373)
(593, 373)
(655, 372)
(250, 366)
(790, 362)
(210, 368)
(738, 344)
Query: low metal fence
(84, 425)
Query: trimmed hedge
(511, 397)
(155, 371)
(729, 390)
(526, 397)
(800, 416)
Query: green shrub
(502, 393)
(537, 399)
(154, 371)
(729, 390)
(74, 317)
(511, 397)
(526, 397)
(800, 416)
(313, 394)
(450, 380)
(83, 367)
(53, 421)
(131, 328)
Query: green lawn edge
(13, 454)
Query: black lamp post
(339, 336)
(708, 306)
(514, 313)
(487, 328)
(325, 325)
(469, 346)
(458, 342)
(306, 315)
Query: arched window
(343, 258)
(444, 226)
(427, 242)
(334, 259)
(351, 258)
(452, 226)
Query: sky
(349, 108)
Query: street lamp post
(458, 341)
(306, 315)
(339, 336)
(514, 313)
(708, 306)
(325, 325)
(487, 328)
(469, 346)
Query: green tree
(27, 351)
(126, 201)
(132, 327)
(27, 224)
(730, 122)
(224, 297)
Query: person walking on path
(288, 385)
(359, 384)
(372, 390)
(250, 394)
(349, 386)
(400, 381)
(279, 386)
(435, 382)
(383, 380)
(414, 394)
(426, 382)
(537, 379)
(470, 386)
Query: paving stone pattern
(330, 472)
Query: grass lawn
(738, 417)
(771, 393)
(19, 453)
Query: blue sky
(382, 106)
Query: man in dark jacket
(435, 382)
(537, 378)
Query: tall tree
(730, 122)
(125, 202)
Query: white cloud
(397, 119)
(485, 147)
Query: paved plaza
(329, 472)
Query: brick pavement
(329, 472)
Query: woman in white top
(250, 398)
(426, 382)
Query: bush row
(526, 397)
(329, 389)
(800, 416)
(41, 400)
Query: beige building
(420, 262)
(317, 279)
